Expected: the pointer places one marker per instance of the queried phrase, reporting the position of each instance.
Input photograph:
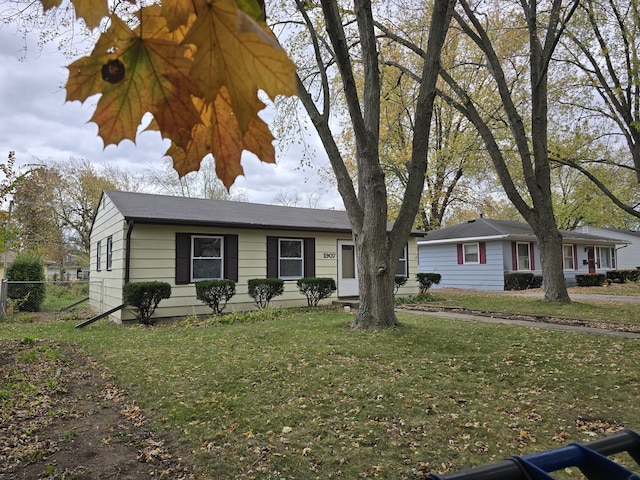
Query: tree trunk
(376, 283)
(550, 244)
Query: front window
(206, 258)
(606, 257)
(290, 258)
(567, 257)
(524, 258)
(401, 268)
(471, 253)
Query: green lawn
(299, 397)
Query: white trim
(301, 258)
(518, 269)
(221, 257)
(464, 253)
(462, 240)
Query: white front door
(347, 269)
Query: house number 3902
(329, 255)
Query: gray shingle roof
(164, 209)
(489, 228)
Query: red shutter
(532, 257)
(460, 255)
(514, 256)
(483, 252)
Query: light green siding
(153, 258)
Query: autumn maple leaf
(197, 67)
(235, 51)
(220, 135)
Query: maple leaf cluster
(196, 66)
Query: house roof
(489, 229)
(164, 209)
(623, 231)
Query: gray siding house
(143, 237)
(477, 254)
(627, 244)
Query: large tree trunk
(550, 244)
(376, 282)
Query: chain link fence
(23, 297)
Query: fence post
(3, 298)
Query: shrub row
(144, 297)
(590, 279)
(622, 276)
(522, 281)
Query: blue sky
(37, 123)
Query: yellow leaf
(220, 135)
(91, 11)
(137, 72)
(48, 4)
(233, 50)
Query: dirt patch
(62, 417)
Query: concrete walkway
(523, 323)
(543, 325)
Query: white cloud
(37, 123)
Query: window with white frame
(606, 257)
(471, 253)
(109, 252)
(568, 258)
(524, 256)
(98, 255)
(401, 267)
(290, 258)
(206, 257)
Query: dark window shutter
(183, 258)
(514, 255)
(460, 255)
(231, 257)
(482, 246)
(272, 257)
(309, 257)
(532, 257)
(406, 252)
(575, 257)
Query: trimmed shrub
(623, 276)
(27, 296)
(518, 280)
(536, 282)
(215, 293)
(316, 289)
(427, 280)
(263, 290)
(400, 281)
(590, 280)
(144, 297)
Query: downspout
(127, 252)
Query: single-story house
(142, 237)
(627, 244)
(477, 254)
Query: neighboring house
(141, 237)
(477, 254)
(627, 244)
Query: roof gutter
(462, 240)
(127, 251)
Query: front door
(591, 259)
(347, 270)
